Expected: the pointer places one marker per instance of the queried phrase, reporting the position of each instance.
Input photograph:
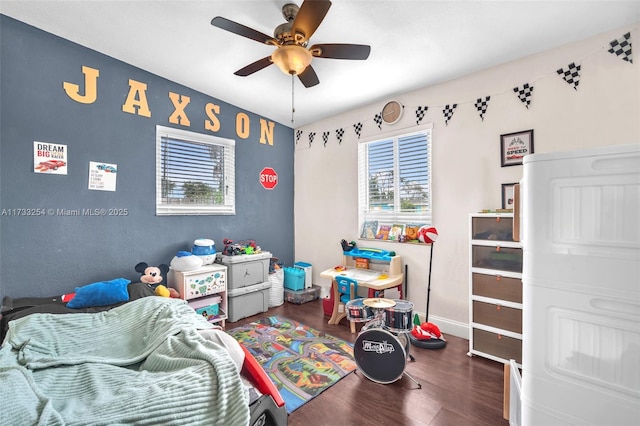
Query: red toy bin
(327, 303)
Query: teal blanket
(141, 363)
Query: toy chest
(294, 278)
(302, 296)
(245, 270)
(248, 301)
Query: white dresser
(495, 288)
(205, 290)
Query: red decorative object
(268, 178)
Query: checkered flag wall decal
(358, 128)
(325, 138)
(378, 120)
(571, 74)
(339, 135)
(481, 105)
(298, 135)
(420, 113)
(448, 112)
(524, 93)
(622, 47)
(312, 135)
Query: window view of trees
(192, 173)
(195, 173)
(406, 157)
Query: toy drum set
(382, 347)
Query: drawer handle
(498, 277)
(499, 336)
(497, 248)
(498, 307)
(498, 219)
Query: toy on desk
(347, 246)
(371, 253)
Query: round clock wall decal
(392, 112)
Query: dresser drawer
(194, 284)
(499, 258)
(497, 287)
(492, 228)
(248, 273)
(497, 345)
(497, 316)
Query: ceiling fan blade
(254, 67)
(309, 77)
(243, 31)
(309, 17)
(341, 51)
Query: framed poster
(508, 195)
(514, 146)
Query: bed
(148, 360)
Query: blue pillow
(102, 293)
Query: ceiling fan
(291, 39)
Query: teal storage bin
(307, 270)
(294, 278)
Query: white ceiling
(414, 44)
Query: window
(195, 173)
(394, 180)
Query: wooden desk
(395, 278)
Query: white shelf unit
(205, 284)
(495, 287)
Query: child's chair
(348, 290)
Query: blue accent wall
(51, 254)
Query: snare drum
(358, 312)
(380, 356)
(399, 318)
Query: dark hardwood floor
(456, 389)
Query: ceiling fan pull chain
(293, 110)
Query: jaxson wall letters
(136, 103)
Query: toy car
(51, 164)
(108, 169)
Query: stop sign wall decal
(268, 178)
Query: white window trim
(229, 207)
(363, 202)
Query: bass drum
(380, 356)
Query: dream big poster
(49, 158)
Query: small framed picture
(508, 195)
(514, 146)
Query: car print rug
(301, 361)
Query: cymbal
(379, 303)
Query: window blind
(195, 173)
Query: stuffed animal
(153, 276)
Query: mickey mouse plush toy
(153, 276)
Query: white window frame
(396, 215)
(228, 204)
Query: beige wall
(467, 175)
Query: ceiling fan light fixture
(292, 59)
